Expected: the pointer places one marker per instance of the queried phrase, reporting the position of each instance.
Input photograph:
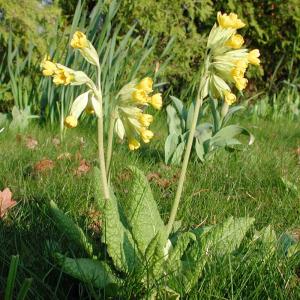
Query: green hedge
(273, 27)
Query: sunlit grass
(242, 183)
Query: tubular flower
(87, 50)
(156, 101)
(85, 101)
(235, 42)
(227, 61)
(230, 98)
(132, 121)
(253, 57)
(229, 21)
(63, 75)
(48, 66)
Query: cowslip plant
(225, 65)
(164, 261)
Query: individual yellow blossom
(253, 57)
(48, 66)
(146, 135)
(240, 68)
(156, 101)
(87, 50)
(140, 96)
(145, 84)
(229, 97)
(71, 121)
(229, 21)
(133, 144)
(62, 76)
(240, 83)
(79, 40)
(145, 119)
(236, 41)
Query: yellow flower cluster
(228, 60)
(132, 121)
(60, 75)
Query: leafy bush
(272, 24)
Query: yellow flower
(146, 135)
(79, 40)
(139, 96)
(145, 119)
(71, 121)
(156, 101)
(240, 68)
(229, 21)
(145, 84)
(87, 50)
(253, 57)
(133, 144)
(240, 83)
(230, 98)
(236, 41)
(48, 66)
(62, 76)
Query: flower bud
(156, 101)
(133, 144)
(253, 57)
(71, 122)
(145, 84)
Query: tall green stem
(110, 141)
(186, 158)
(101, 140)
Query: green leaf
(170, 146)
(70, 229)
(199, 150)
(226, 134)
(94, 272)
(227, 237)
(180, 245)
(141, 210)
(177, 156)
(190, 116)
(231, 112)
(120, 244)
(173, 120)
(214, 240)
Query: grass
(248, 182)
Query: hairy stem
(101, 155)
(186, 158)
(110, 142)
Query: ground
(261, 181)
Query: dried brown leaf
(6, 202)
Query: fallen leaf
(157, 178)
(31, 143)
(6, 202)
(44, 165)
(95, 220)
(65, 155)
(83, 168)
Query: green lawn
(243, 183)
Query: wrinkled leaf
(72, 231)
(94, 272)
(141, 210)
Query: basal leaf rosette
(227, 60)
(132, 121)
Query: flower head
(87, 50)
(132, 120)
(79, 40)
(227, 60)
